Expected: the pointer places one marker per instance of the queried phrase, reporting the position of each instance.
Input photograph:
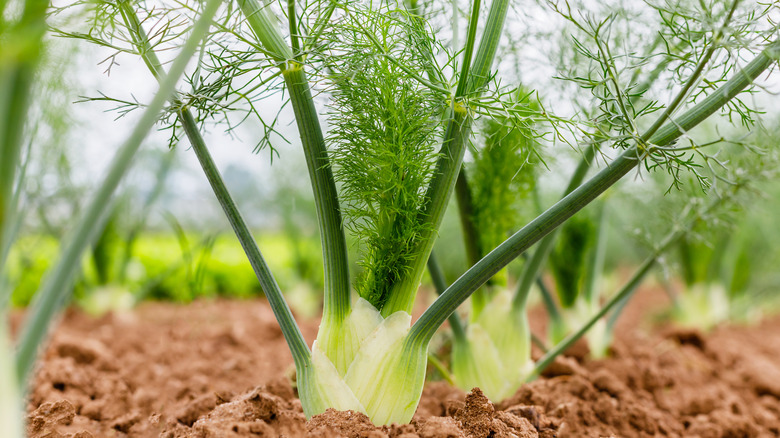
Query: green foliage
(160, 270)
(28, 261)
(384, 128)
(502, 178)
(106, 250)
(569, 259)
(388, 100)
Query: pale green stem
(433, 360)
(334, 247)
(596, 262)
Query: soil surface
(222, 369)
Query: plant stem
(440, 283)
(471, 237)
(266, 31)
(620, 299)
(334, 246)
(463, 287)
(534, 264)
(596, 261)
(57, 286)
(567, 342)
(453, 148)
(469, 49)
(293, 30)
(549, 303)
(292, 333)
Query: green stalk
(334, 247)
(470, 39)
(266, 30)
(596, 264)
(290, 329)
(57, 286)
(453, 148)
(549, 302)
(466, 213)
(624, 293)
(291, 17)
(440, 283)
(471, 237)
(292, 333)
(462, 288)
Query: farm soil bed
(222, 369)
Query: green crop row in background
(162, 267)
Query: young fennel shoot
(446, 304)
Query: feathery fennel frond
(502, 176)
(384, 127)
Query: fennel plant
(620, 111)
(401, 110)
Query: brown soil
(193, 371)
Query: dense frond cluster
(383, 135)
(569, 259)
(502, 178)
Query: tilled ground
(222, 369)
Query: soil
(222, 369)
